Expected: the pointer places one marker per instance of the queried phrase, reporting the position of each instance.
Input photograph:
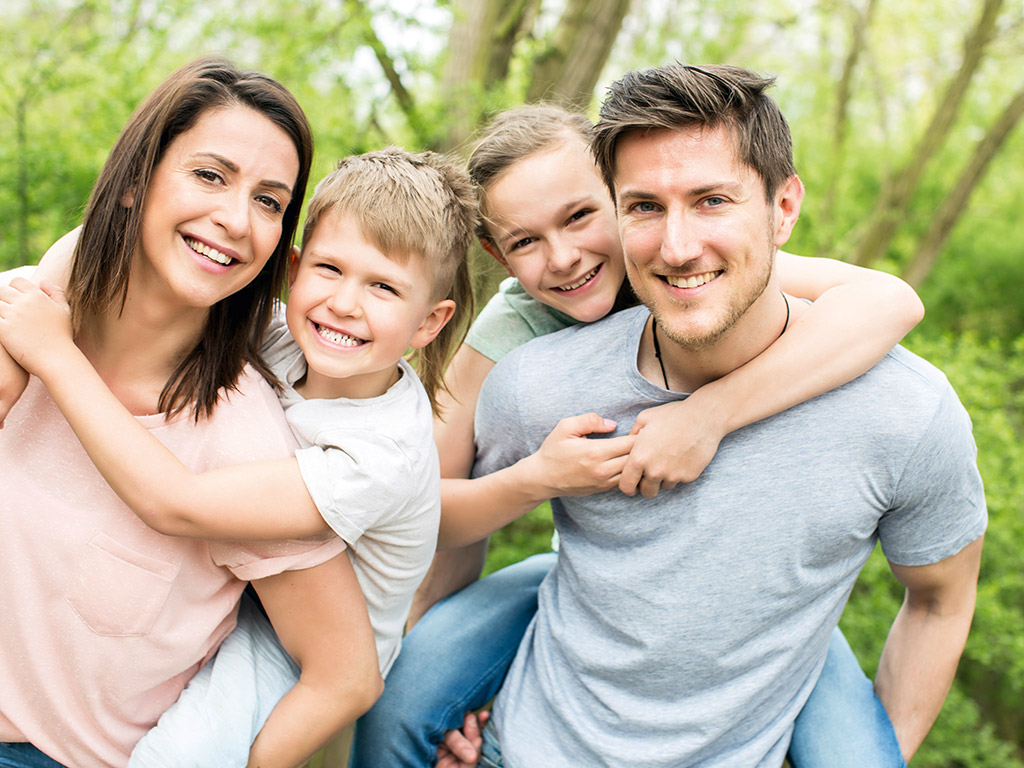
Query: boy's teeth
(691, 281)
(334, 337)
(211, 253)
(578, 283)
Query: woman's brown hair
(111, 230)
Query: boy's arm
(320, 616)
(240, 502)
(858, 315)
(924, 645)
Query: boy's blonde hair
(406, 204)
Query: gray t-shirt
(511, 318)
(372, 469)
(689, 629)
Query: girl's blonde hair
(515, 134)
(409, 203)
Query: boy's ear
(492, 249)
(293, 265)
(433, 323)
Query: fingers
(465, 744)
(585, 424)
(54, 291)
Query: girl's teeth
(338, 338)
(582, 281)
(211, 253)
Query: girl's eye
(269, 202)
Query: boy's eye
(386, 287)
(521, 243)
(329, 267)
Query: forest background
(905, 118)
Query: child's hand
(461, 748)
(674, 443)
(35, 327)
(13, 380)
(570, 464)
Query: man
(689, 629)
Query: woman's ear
(433, 323)
(492, 249)
(128, 198)
(293, 265)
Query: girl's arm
(321, 619)
(858, 315)
(239, 502)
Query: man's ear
(492, 249)
(788, 199)
(433, 323)
(293, 265)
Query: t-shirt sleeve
(500, 438)
(257, 560)
(276, 334)
(499, 328)
(939, 505)
(358, 482)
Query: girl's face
(554, 227)
(214, 208)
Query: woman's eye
(270, 203)
(207, 175)
(580, 214)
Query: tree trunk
(956, 202)
(480, 47)
(896, 195)
(844, 94)
(568, 70)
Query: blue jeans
(22, 755)
(455, 659)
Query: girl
(383, 262)
(548, 218)
(184, 246)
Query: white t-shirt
(372, 469)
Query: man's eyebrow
(233, 167)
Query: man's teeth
(334, 337)
(211, 253)
(583, 280)
(690, 281)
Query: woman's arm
(858, 315)
(239, 502)
(320, 616)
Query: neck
(682, 368)
(136, 351)
(315, 385)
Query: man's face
(698, 235)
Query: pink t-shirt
(103, 620)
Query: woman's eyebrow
(233, 167)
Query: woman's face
(214, 208)
(553, 223)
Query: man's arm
(924, 645)
(320, 616)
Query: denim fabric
(490, 752)
(22, 755)
(843, 724)
(454, 660)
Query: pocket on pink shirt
(117, 591)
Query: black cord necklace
(657, 346)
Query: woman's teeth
(334, 337)
(211, 253)
(582, 281)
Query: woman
(183, 248)
(549, 220)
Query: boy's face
(354, 312)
